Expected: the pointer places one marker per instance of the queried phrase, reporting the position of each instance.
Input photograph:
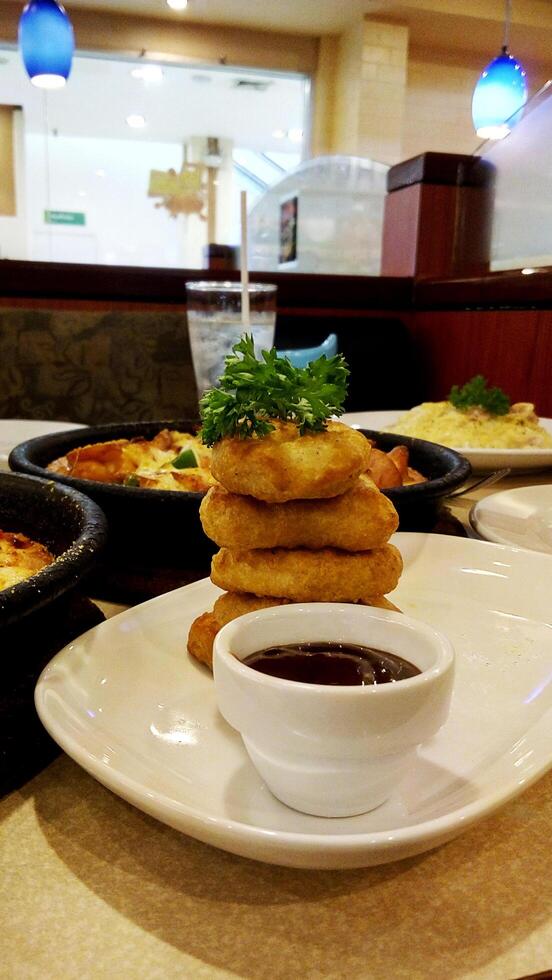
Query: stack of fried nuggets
(297, 520)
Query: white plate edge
(452, 823)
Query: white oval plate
(482, 460)
(129, 705)
(14, 431)
(521, 517)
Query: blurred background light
(500, 92)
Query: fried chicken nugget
(360, 519)
(229, 606)
(327, 575)
(285, 465)
(201, 638)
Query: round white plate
(521, 517)
(129, 705)
(482, 460)
(14, 431)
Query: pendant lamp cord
(507, 21)
(46, 117)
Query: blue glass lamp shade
(46, 43)
(499, 97)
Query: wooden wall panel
(180, 39)
(7, 166)
(512, 348)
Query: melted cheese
(20, 558)
(141, 462)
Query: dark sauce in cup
(331, 663)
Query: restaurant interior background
(237, 96)
(428, 274)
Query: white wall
(108, 181)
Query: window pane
(129, 166)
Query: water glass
(215, 324)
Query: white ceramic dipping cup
(328, 750)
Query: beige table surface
(92, 888)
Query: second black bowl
(155, 541)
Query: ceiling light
(135, 121)
(279, 134)
(100, 173)
(500, 93)
(46, 43)
(177, 4)
(295, 135)
(148, 73)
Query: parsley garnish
(476, 392)
(251, 392)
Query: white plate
(482, 460)
(14, 431)
(521, 517)
(126, 702)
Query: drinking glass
(215, 324)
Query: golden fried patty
(357, 520)
(285, 465)
(326, 575)
(229, 606)
(201, 638)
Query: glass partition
(140, 164)
(522, 215)
(324, 217)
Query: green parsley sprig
(476, 392)
(253, 391)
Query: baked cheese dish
(20, 557)
(170, 461)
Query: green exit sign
(64, 217)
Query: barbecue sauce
(331, 663)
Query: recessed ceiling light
(135, 121)
(278, 134)
(295, 135)
(177, 4)
(148, 73)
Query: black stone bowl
(69, 524)
(418, 505)
(155, 542)
(42, 614)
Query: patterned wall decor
(95, 367)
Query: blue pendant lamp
(500, 93)
(46, 43)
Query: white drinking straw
(243, 262)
